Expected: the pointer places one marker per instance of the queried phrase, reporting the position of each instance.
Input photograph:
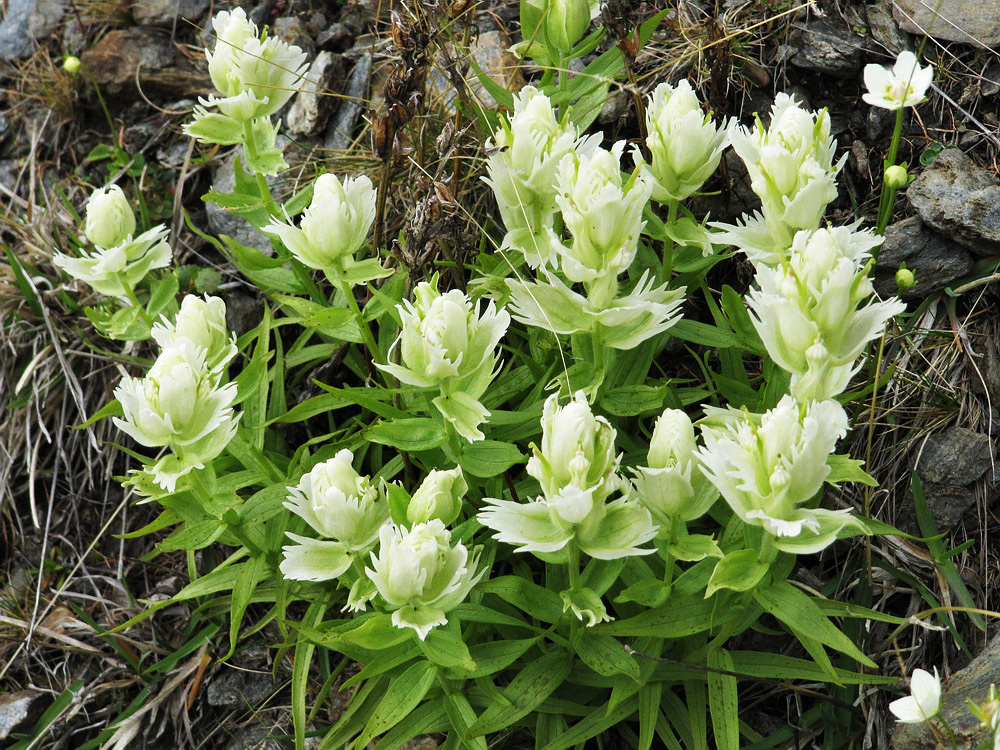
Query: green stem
(130, 293)
(952, 739)
(236, 529)
(573, 565)
(366, 332)
(668, 243)
(767, 550)
(888, 196)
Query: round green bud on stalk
(896, 177)
(566, 23)
(904, 277)
(110, 220)
(71, 65)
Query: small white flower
(110, 220)
(421, 576)
(439, 496)
(904, 86)
(924, 700)
(203, 322)
(333, 227)
(444, 343)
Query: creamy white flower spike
(683, 141)
(672, 486)
(444, 343)
(792, 172)
(421, 576)
(115, 271)
(904, 86)
(181, 405)
(814, 311)
(768, 466)
(203, 322)
(576, 467)
(924, 700)
(344, 508)
(604, 216)
(333, 228)
(524, 158)
(439, 497)
(109, 218)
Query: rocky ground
(68, 574)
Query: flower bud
(896, 177)
(904, 277)
(566, 23)
(203, 322)
(439, 497)
(71, 65)
(421, 576)
(673, 440)
(110, 221)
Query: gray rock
(240, 688)
(28, 22)
(168, 12)
(18, 710)
(340, 131)
(967, 21)
(335, 38)
(957, 456)
(315, 101)
(825, 48)
(221, 221)
(883, 27)
(972, 683)
(292, 30)
(935, 260)
(990, 85)
(959, 199)
(491, 51)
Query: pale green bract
(179, 404)
(333, 228)
(421, 576)
(524, 159)
(684, 144)
(814, 311)
(792, 172)
(671, 486)
(445, 344)
(110, 220)
(577, 469)
(769, 466)
(439, 496)
(341, 506)
(203, 322)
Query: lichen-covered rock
(316, 99)
(967, 21)
(168, 12)
(28, 22)
(935, 260)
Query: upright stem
(573, 565)
(130, 293)
(366, 331)
(668, 243)
(889, 193)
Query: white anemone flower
(904, 86)
(924, 700)
(421, 576)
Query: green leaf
(705, 335)
(679, 617)
(489, 458)
(376, 633)
(446, 649)
(723, 701)
(738, 571)
(197, 535)
(604, 654)
(799, 612)
(632, 400)
(843, 468)
(462, 716)
(402, 696)
(111, 409)
(492, 656)
(539, 602)
(594, 724)
(409, 435)
(526, 691)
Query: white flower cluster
(118, 261)
(417, 572)
(183, 402)
(255, 75)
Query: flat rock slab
(18, 710)
(968, 21)
(957, 456)
(935, 260)
(961, 200)
(27, 22)
(168, 12)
